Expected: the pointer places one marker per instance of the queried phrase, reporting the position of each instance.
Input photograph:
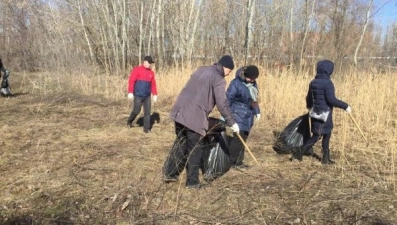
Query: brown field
(66, 157)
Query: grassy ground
(66, 157)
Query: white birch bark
(367, 17)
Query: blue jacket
(321, 96)
(240, 102)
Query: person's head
(147, 61)
(251, 73)
(325, 67)
(227, 62)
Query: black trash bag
(294, 135)
(177, 158)
(216, 159)
(5, 87)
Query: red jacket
(142, 82)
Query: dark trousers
(136, 109)
(311, 142)
(191, 143)
(236, 149)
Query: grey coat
(205, 89)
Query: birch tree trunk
(140, 31)
(151, 28)
(307, 24)
(248, 29)
(291, 34)
(193, 31)
(158, 35)
(124, 38)
(85, 31)
(368, 15)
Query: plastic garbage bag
(5, 87)
(216, 159)
(175, 161)
(294, 135)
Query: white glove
(154, 98)
(130, 95)
(235, 128)
(349, 110)
(258, 116)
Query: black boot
(297, 155)
(326, 159)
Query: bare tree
(308, 17)
(367, 17)
(113, 34)
(248, 28)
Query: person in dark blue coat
(321, 97)
(242, 95)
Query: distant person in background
(242, 95)
(141, 85)
(205, 89)
(5, 87)
(321, 97)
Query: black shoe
(327, 162)
(293, 159)
(168, 179)
(193, 186)
(241, 166)
(326, 159)
(130, 125)
(297, 155)
(316, 156)
(147, 131)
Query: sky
(385, 13)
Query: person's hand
(258, 116)
(222, 118)
(349, 110)
(154, 98)
(130, 95)
(235, 128)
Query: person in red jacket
(141, 85)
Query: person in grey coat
(204, 90)
(321, 97)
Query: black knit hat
(252, 72)
(227, 61)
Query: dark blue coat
(240, 102)
(321, 96)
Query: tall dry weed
(66, 152)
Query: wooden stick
(248, 149)
(355, 123)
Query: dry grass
(67, 158)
